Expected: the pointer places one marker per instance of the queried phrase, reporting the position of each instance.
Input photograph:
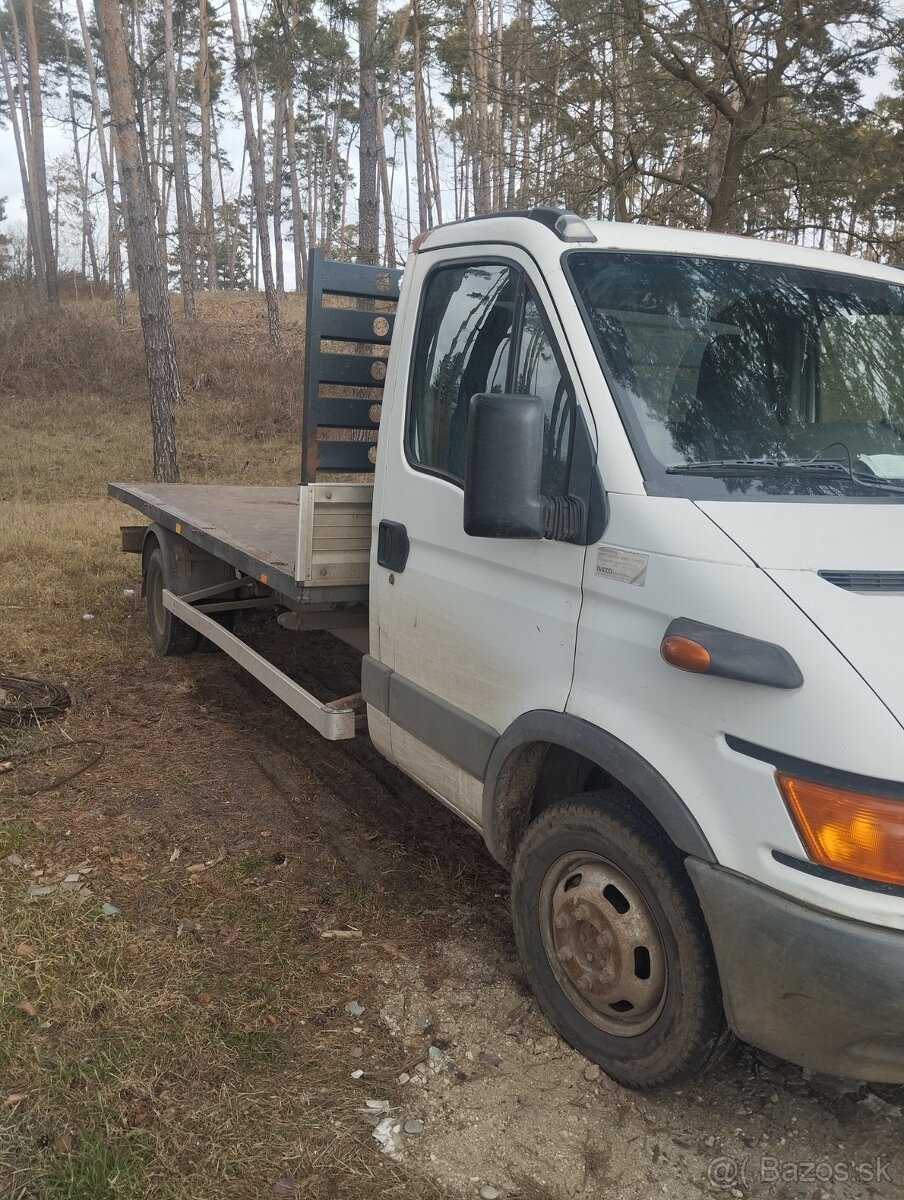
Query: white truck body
(507, 674)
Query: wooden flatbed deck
(253, 528)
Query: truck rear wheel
(168, 633)
(614, 943)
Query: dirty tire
(679, 1026)
(168, 633)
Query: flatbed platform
(312, 541)
(255, 529)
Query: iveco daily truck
(626, 570)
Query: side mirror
(503, 467)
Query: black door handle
(392, 545)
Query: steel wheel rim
(603, 944)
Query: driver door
(476, 631)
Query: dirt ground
(347, 940)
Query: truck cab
(634, 596)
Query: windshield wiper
(758, 467)
(875, 481)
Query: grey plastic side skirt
(457, 735)
(335, 724)
(375, 678)
(483, 753)
(615, 758)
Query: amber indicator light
(848, 831)
(685, 654)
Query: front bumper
(816, 989)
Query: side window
(463, 345)
(538, 374)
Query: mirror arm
(564, 518)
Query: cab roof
(535, 230)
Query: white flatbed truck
(628, 585)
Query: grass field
(191, 1042)
(63, 440)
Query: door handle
(392, 545)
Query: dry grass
(76, 350)
(83, 421)
(150, 1065)
(136, 1063)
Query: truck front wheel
(168, 633)
(614, 943)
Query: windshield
(763, 377)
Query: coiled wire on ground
(27, 701)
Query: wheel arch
(546, 756)
(186, 567)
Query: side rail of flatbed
(337, 720)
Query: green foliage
(233, 258)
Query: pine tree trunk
(151, 133)
(420, 121)
(87, 231)
(386, 189)
(299, 251)
(114, 248)
(723, 214)
(329, 176)
(180, 171)
(527, 17)
(310, 163)
(258, 182)
(156, 320)
(453, 138)
(368, 202)
(40, 169)
(405, 164)
(36, 240)
(230, 225)
(515, 115)
(480, 131)
(279, 111)
(433, 159)
(30, 214)
(498, 157)
(620, 123)
(208, 232)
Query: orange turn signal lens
(685, 654)
(847, 831)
